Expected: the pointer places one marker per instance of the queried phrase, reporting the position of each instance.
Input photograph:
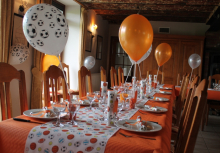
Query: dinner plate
(40, 114)
(165, 88)
(154, 127)
(158, 99)
(165, 92)
(87, 103)
(159, 109)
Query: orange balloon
(49, 60)
(163, 53)
(135, 36)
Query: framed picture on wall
(17, 31)
(99, 47)
(89, 41)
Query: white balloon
(89, 62)
(194, 61)
(18, 54)
(143, 57)
(46, 29)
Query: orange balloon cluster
(135, 36)
(163, 53)
(49, 60)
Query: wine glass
(73, 108)
(90, 97)
(58, 108)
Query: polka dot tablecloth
(90, 135)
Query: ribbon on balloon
(194, 62)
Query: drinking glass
(73, 108)
(90, 97)
(58, 108)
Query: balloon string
(135, 66)
(140, 71)
(158, 70)
(128, 74)
(68, 89)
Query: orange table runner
(13, 134)
(212, 94)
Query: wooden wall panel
(182, 48)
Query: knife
(24, 120)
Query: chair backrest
(181, 98)
(7, 74)
(216, 77)
(192, 88)
(189, 132)
(120, 76)
(66, 69)
(103, 74)
(160, 76)
(82, 73)
(113, 74)
(53, 76)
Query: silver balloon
(89, 62)
(194, 61)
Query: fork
(130, 136)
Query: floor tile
(217, 129)
(198, 146)
(214, 150)
(200, 151)
(213, 145)
(210, 135)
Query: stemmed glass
(58, 108)
(91, 99)
(73, 108)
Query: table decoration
(154, 109)
(112, 101)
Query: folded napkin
(133, 100)
(104, 88)
(112, 101)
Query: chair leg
(207, 114)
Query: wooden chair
(181, 99)
(212, 103)
(188, 134)
(176, 129)
(178, 80)
(53, 74)
(113, 74)
(159, 77)
(82, 73)
(71, 91)
(120, 76)
(103, 74)
(216, 77)
(7, 74)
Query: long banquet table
(13, 134)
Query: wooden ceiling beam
(171, 2)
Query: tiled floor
(208, 141)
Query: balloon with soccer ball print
(46, 29)
(18, 54)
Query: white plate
(159, 109)
(158, 99)
(165, 92)
(87, 103)
(165, 88)
(121, 124)
(33, 113)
